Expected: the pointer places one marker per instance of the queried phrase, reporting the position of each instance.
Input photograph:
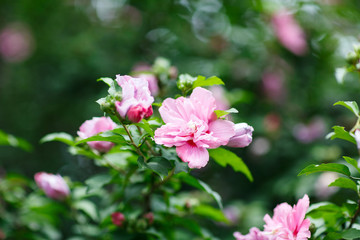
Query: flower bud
(117, 218)
(54, 186)
(161, 66)
(138, 112)
(242, 137)
(94, 126)
(185, 82)
(150, 217)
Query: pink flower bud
(117, 218)
(289, 32)
(242, 137)
(54, 186)
(150, 217)
(136, 98)
(94, 126)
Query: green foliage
(341, 133)
(109, 136)
(224, 157)
(202, 81)
(344, 183)
(60, 137)
(223, 113)
(10, 140)
(331, 167)
(351, 105)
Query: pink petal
(172, 110)
(222, 130)
(204, 101)
(171, 135)
(195, 156)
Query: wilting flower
(136, 98)
(192, 127)
(117, 218)
(94, 126)
(288, 223)
(54, 186)
(254, 234)
(242, 137)
(289, 32)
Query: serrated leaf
(107, 80)
(188, 179)
(210, 212)
(159, 165)
(351, 105)
(326, 167)
(341, 133)
(344, 183)
(353, 162)
(201, 81)
(146, 126)
(88, 207)
(222, 113)
(224, 157)
(351, 233)
(60, 137)
(340, 74)
(108, 136)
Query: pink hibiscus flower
(192, 127)
(254, 234)
(289, 223)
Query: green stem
(147, 143)
(132, 140)
(353, 219)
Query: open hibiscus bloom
(192, 127)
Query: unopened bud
(118, 218)
(185, 82)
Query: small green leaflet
(224, 157)
(10, 140)
(351, 105)
(340, 74)
(109, 136)
(107, 80)
(341, 133)
(353, 162)
(202, 81)
(60, 137)
(210, 212)
(326, 167)
(159, 165)
(344, 183)
(223, 113)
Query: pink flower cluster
(288, 223)
(192, 127)
(54, 186)
(94, 126)
(136, 98)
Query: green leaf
(224, 157)
(201, 81)
(353, 162)
(344, 183)
(146, 126)
(109, 136)
(210, 212)
(60, 137)
(340, 132)
(10, 140)
(340, 74)
(180, 167)
(326, 167)
(107, 80)
(222, 113)
(88, 207)
(188, 179)
(159, 165)
(98, 181)
(351, 233)
(351, 105)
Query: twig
(353, 219)
(147, 143)
(132, 140)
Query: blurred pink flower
(254, 234)
(322, 189)
(117, 218)
(242, 137)
(136, 98)
(16, 43)
(152, 81)
(192, 127)
(150, 217)
(309, 133)
(94, 126)
(272, 122)
(289, 223)
(289, 33)
(220, 100)
(54, 186)
(273, 86)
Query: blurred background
(277, 58)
